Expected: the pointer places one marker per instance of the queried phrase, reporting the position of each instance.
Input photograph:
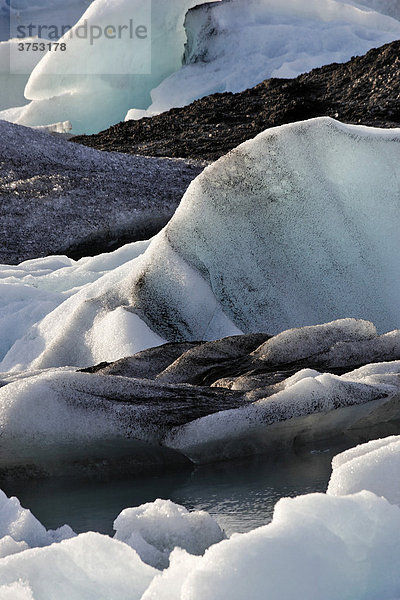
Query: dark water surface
(241, 494)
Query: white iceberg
(20, 530)
(318, 546)
(88, 567)
(374, 466)
(235, 44)
(156, 528)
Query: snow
(374, 466)
(233, 45)
(156, 528)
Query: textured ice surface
(309, 406)
(88, 567)
(156, 528)
(374, 466)
(235, 44)
(57, 196)
(298, 216)
(316, 547)
(19, 529)
(296, 344)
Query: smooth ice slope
(96, 98)
(235, 44)
(386, 7)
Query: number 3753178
(41, 47)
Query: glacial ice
(310, 407)
(20, 530)
(305, 216)
(386, 7)
(156, 528)
(90, 566)
(56, 195)
(121, 73)
(230, 46)
(235, 44)
(373, 466)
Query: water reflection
(241, 494)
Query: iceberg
(235, 44)
(66, 86)
(56, 195)
(297, 215)
(156, 528)
(194, 51)
(373, 466)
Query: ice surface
(88, 567)
(297, 215)
(235, 44)
(56, 195)
(317, 547)
(374, 466)
(229, 48)
(295, 344)
(60, 93)
(19, 529)
(156, 528)
(386, 7)
(308, 407)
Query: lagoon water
(241, 494)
